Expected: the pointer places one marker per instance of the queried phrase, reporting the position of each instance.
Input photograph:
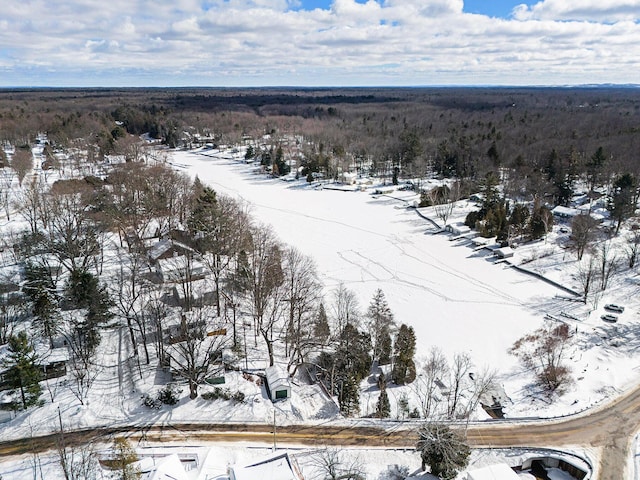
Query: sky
(88, 43)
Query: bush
(238, 397)
(150, 402)
(169, 395)
(223, 394)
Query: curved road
(608, 429)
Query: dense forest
(462, 133)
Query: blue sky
(492, 8)
(318, 42)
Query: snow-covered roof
(159, 249)
(504, 252)
(499, 471)
(562, 211)
(167, 468)
(277, 378)
(276, 468)
(45, 354)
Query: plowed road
(609, 429)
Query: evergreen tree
(353, 352)
(519, 217)
(202, 219)
(404, 368)
(623, 198)
(22, 375)
(40, 290)
(595, 168)
(380, 325)
(444, 450)
(84, 292)
(321, 329)
(540, 222)
(280, 167)
(385, 348)
(347, 367)
(349, 397)
(250, 153)
(383, 407)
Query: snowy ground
(456, 298)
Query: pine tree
(404, 368)
(84, 291)
(23, 375)
(204, 212)
(40, 289)
(383, 407)
(349, 398)
(443, 450)
(380, 324)
(321, 328)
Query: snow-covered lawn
(457, 298)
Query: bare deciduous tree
(302, 289)
(266, 280)
(22, 163)
(608, 264)
(458, 386)
(443, 200)
(586, 275)
(427, 383)
(544, 351)
(583, 229)
(334, 464)
(194, 352)
(345, 309)
(633, 246)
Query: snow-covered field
(457, 298)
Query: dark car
(607, 317)
(612, 307)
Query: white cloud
(266, 42)
(583, 10)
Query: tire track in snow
(394, 241)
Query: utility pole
(274, 431)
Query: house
(498, 471)
(278, 385)
(168, 248)
(565, 212)
(167, 468)
(52, 362)
(281, 467)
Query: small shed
(504, 252)
(278, 385)
(457, 228)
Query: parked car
(607, 317)
(612, 307)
